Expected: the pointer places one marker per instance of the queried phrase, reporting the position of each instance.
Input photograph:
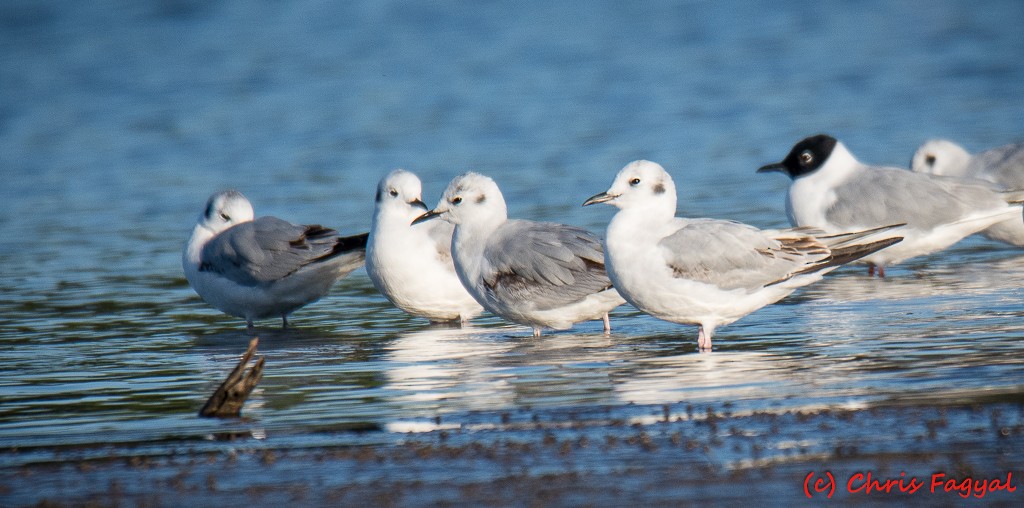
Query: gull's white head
(640, 185)
(225, 209)
(398, 194)
(470, 198)
(940, 157)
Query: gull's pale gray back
(1003, 165)
(882, 196)
(544, 265)
(267, 249)
(732, 255)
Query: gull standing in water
(411, 265)
(1002, 166)
(538, 274)
(265, 267)
(835, 192)
(709, 272)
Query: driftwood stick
(227, 401)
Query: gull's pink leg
(607, 324)
(703, 340)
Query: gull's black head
(806, 156)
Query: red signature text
(865, 483)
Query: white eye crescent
(806, 157)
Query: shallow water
(117, 121)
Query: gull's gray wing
(268, 249)
(732, 255)
(881, 196)
(543, 265)
(1003, 165)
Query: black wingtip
(350, 243)
(842, 256)
(852, 253)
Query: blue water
(119, 119)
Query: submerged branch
(227, 401)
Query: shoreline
(710, 457)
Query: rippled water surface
(117, 120)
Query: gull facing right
(710, 272)
(411, 264)
(833, 191)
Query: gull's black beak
(418, 204)
(603, 197)
(768, 168)
(425, 217)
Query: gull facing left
(266, 267)
(835, 192)
(710, 272)
(538, 274)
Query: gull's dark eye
(634, 182)
(225, 217)
(393, 193)
(929, 160)
(806, 157)
(456, 200)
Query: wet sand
(668, 455)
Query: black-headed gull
(833, 191)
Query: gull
(411, 265)
(1002, 166)
(265, 267)
(709, 272)
(538, 274)
(833, 191)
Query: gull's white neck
(394, 216)
(469, 240)
(640, 218)
(192, 255)
(631, 225)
